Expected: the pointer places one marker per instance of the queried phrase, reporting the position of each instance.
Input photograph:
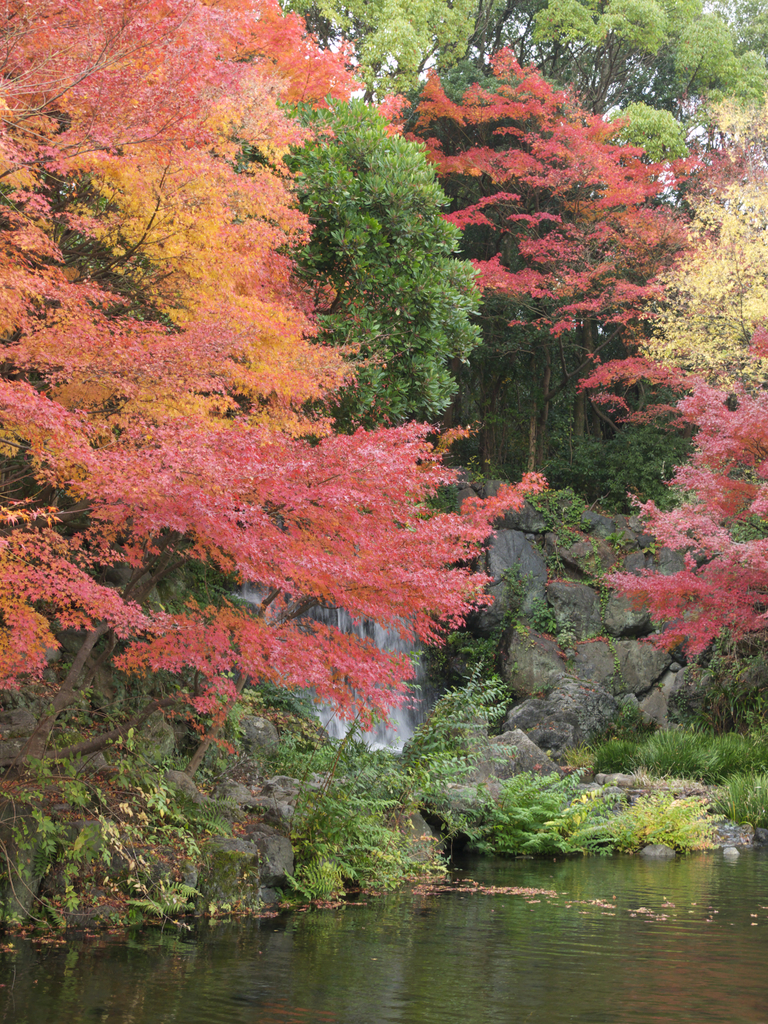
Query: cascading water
(402, 721)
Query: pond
(604, 941)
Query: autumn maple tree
(563, 225)
(720, 521)
(161, 397)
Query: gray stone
(655, 706)
(636, 562)
(600, 526)
(657, 851)
(509, 552)
(730, 852)
(20, 842)
(157, 739)
(761, 836)
(15, 723)
(237, 793)
(230, 874)
(640, 665)
(530, 663)
(588, 557)
(623, 617)
(185, 785)
(260, 737)
(423, 841)
(572, 713)
(502, 757)
(276, 855)
(618, 779)
(463, 494)
(575, 606)
(594, 662)
(9, 749)
(528, 519)
(668, 562)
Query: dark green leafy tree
(381, 264)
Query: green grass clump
(744, 798)
(686, 755)
(616, 755)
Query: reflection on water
(625, 941)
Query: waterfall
(402, 721)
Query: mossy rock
(230, 874)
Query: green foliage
(732, 680)
(381, 263)
(562, 510)
(543, 815)
(744, 798)
(685, 755)
(351, 825)
(455, 719)
(660, 818)
(639, 460)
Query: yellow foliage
(718, 293)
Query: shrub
(744, 798)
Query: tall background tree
(380, 261)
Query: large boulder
(624, 617)
(528, 520)
(530, 663)
(567, 716)
(502, 757)
(260, 737)
(230, 874)
(640, 665)
(275, 852)
(594, 662)
(519, 573)
(576, 607)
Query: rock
(658, 851)
(276, 855)
(623, 618)
(185, 785)
(528, 519)
(15, 723)
(570, 714)
(588, 557)
(594, 662)
(423, 841)
(575, 606)
(640, 665)
(157, 738)
(510, 552)
(731, 852)
(616, 779)
(530, 663)
(636, 562)
(761, 836)
(236, 792)
(9, 749)
(668, 562)
(502, 757)
(230, 874)
(463, 494)
(260, 737)
(596, 524)
(655, 706)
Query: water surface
(624, 941)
